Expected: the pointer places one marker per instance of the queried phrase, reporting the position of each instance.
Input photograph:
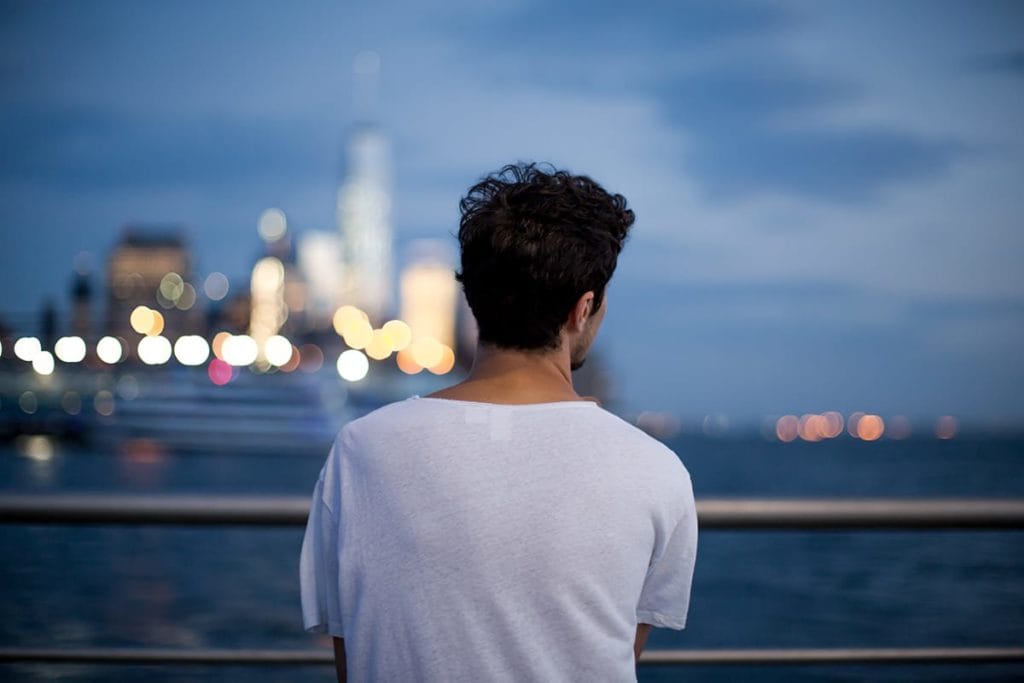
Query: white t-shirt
(463, 541)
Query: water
(237, 587)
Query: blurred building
(268, 310)
(150, 266)
(364, 219)
(429, 292)
(277, 288)
(81, 305)
(321, 264)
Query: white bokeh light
(191, 349)
(278, 350)
(27, 348)
(353, 365)
(273, 225)
(43, 363)
(155, 350)
(70, 349)
(240, 350)
(109, 350)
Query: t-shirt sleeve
(665, 598)
(318, 568)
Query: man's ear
(583, 309)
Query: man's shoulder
(638, 438)
(386, 416)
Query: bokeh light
(240, 350)
(109, 350)
(27, 348)
(293, 361)
(217, 345)
(158, 324)
(71, 402)
(171, 287)
(809, 427)
(70, 349)
(447, 362)
(851, 423)
(345, 316)
(946, 427)
(406, 363)
(273, 225)
(43, 363)
(155, 350)
(787, 428)
(870, 427)
(187, 298)
(215, 286)
(278, 350)
(219, 372)
(353, 365)
(35, 447)
(127, 387)
(358, 334)
(400, 333)
(311, 358)
(141, 319)
(191, 350)
(103, 402)
(427, 351)
(832, 424)
(380, 346)
(28, 402)
(898, 427)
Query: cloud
(741, 143)
(80, 150)
(720, 77)
(585, 28)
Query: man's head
(538, 248)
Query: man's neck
(510, 376)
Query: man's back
(455, 540)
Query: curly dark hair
(533, 241)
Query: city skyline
(827, 208)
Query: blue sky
(828, 194)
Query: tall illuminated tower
(364, 204)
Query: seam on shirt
(675, 527)
(337, 452)
(653, 618)
(671, 535)
(329, 626)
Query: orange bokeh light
(217, 345)
(787, 428)
(870, 427)
(293, 362)
(406, 363)
(446, 363)
(851, 423)
(946, 427)
(809, 428)
(832, 424)
(311, 358)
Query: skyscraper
(364, 218)
(364, 204)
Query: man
(504, 528)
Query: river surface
(238, 587)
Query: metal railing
(730, 514)
(297, 657)
(722, 513)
